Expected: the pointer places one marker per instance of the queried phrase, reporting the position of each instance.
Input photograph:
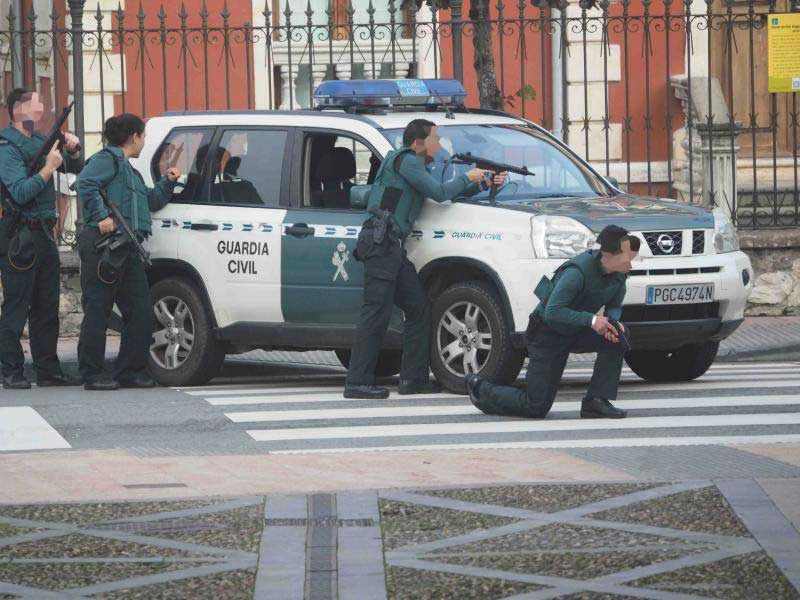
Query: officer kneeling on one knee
(117, 277)
(566, 321)
(401, 186)
(29, 260)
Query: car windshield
(555, 174)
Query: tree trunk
(489, 92)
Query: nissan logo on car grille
(666, 243)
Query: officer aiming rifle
(401, 186)
(29, 261)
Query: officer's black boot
(57, 380)
(473, 383)
(600, 408)
(16, 382)
(101, 384)
(366, 392)
(136, 380)
(415, 386)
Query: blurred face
(29, 109)
(137, 144)
(430, 145)
(621, 262)
(433, 142)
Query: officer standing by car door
(109, 277)
(565, 321)
(401, 186)
(30, 264)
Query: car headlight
(559, 237)
(725, 238)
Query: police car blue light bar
(389, 92)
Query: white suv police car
(255, 250)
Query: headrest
(339, 164)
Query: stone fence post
(705, 169)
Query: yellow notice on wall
(783, 38)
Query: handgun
(623, 334)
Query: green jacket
(580, 289)
(35, 198)
(125, 188)
(409, 173)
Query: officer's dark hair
(117, 130)
(612, 237)
(418, 129)
(17, 95)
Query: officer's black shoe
(58, 380)
(101, 385)
(16, 382)
(473, 383)
(366, 392)
(417, 386)
(139, 380)
(600, 408)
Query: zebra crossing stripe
(722, 440)
(521, 426)
(22, 428)
(288, 395)
(468, 409)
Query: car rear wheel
(472, 335)
(388, 361)
(684, 364)
(183, 350)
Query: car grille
(674, 312)
(698, 241)
(664, 243)
(684, 271)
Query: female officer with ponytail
(119, 276)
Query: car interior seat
(335, 172)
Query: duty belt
(39, 224)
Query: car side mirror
(359, 196)
(612, 181)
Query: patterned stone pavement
(662, 540)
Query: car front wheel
(183, 350)
(471, 334)
(684, 364)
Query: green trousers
(131, 293)
(33, 296)
(547, 356)
(390, 279)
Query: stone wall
(775, 255)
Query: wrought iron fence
(667, 97)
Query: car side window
(186, 149)
(246, 167)
(333, 164)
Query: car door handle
(299, 230)
(204, 226)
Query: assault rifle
(123, 235)
(126, 230)
(493, 166)
(55, 135)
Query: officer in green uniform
(126, 283)
(566, 321)
(31, 286)
(401, 186)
